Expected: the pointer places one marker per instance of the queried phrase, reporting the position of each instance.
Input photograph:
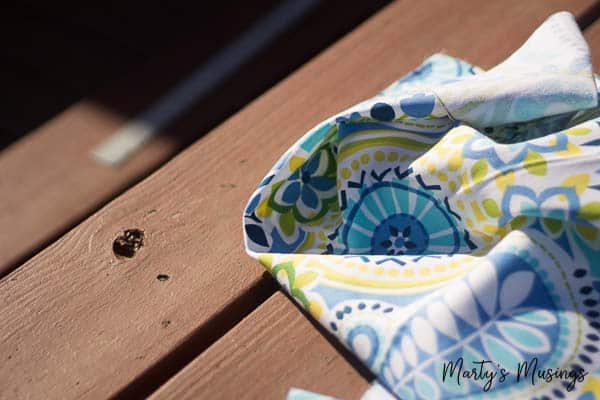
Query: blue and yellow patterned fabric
(446, 231)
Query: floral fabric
(452, 219)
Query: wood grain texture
(48, 180)
(49, 183)
(226, 369)
(276, 343)
(80, 323)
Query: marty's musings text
(488, 373)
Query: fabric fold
(550, 74)
(450, 223)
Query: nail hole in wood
(162, 277)
(128, 243)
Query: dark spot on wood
(165, 323)
(151, 211)
(162, 277)
(128, 243)
(227, 185)
(243, 161)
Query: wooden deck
(190, 315)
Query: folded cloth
(446, 231)
(374, 392)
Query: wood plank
(78, 322)
(49, 183)
(276, 343)
(273, 341)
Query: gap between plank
(589, 16)
(142, 388)
(183, 124)
(186, 344)
(199, 340)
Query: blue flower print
(506, 157)
(310, 190)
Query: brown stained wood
(80, 323)
(271, 350)
(276, 344)
(48, 180)
(49, 183)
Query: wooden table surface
(190, 315)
